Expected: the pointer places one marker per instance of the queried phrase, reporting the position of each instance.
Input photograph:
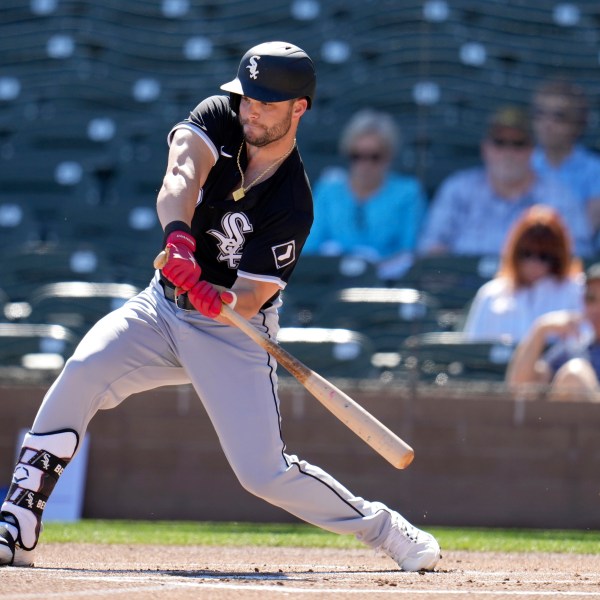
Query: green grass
(306, 536)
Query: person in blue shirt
(561, 351)
(474, 209)
(560, 115)
(368, 210)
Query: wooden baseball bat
(384, 441)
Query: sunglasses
(373, 157)
(559, 116)
(510, 143)
(533, 255)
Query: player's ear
(300, 107)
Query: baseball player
(236, 209)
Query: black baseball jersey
(260, 236)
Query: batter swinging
(236, 209)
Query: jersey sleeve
(211, 120)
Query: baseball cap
(274, 72)
(509, 117)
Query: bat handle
(244, 325)
(161, 259)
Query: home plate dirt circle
(72, 571)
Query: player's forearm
(174, 204)
(251, 296)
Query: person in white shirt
(537, 274)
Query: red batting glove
(181, 269)
(208, 300)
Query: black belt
(182, 301)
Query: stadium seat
(77, 305)
(17, 223)
(386, 315)
(38, 346)
(316, 276)
(453, 280)
(449, 355)
(28, 267)
(329, 352)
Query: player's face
(265, 122)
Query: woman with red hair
(537, 274)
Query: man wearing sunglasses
(562, 351)
(560, 114)
(474, 209)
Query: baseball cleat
(411, 548)
(7, 547)
(11, 552)
(23, 558)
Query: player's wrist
(181, 237)
(179, 232)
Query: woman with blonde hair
(537, 274)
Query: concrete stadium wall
(481, 459)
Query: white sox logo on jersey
(231, 240)
(253, 67)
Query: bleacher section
(89, 91)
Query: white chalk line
(292, 590)
(310, 577)
(206, 583)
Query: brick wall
(481, 458)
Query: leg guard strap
(45, 461)
(38, 470)
(33, 501)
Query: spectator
(560, 110)
(368, 210)
(537, 275)
(475, 208)
(571, 366)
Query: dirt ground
(182, 573)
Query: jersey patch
(231, 240)
(285, 254)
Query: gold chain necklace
(241, 191)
